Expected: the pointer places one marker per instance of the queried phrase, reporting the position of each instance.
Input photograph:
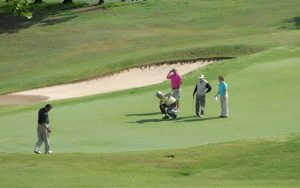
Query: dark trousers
(168, 110)
(162, 108)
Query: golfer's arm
(168, 76)
(208, 88)
(46, 126)
(195, 90)
(160, 102)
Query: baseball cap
(201, 76)
(159, 93)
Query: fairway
(119, 139)
(131, 122)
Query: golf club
(193, 106)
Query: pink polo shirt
(176, 81)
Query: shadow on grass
(144, 114)
(295, 21)
(44, 14)
(200, 119)
(155, 120)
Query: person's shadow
(144, 114)
(200, 119)
(155, 120)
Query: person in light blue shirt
(223, 92)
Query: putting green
(263, 102)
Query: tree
(22, 8)
(67, 1)
(37, 1)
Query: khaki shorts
(176, 94)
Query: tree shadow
(45, 14)
(295, 21)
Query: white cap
(159, 93)
(201, 76)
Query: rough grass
(244, 163)
(81, 43)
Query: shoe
(166, 117)
(49, 152)
(198, 115)
(174, 116)
(37, 152)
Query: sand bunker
(132, 78)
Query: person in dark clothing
(201, 88)
(43, 130)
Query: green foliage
(22, 8)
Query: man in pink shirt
(176, 82)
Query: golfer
(202, 88)
(167, 104)
(223, 97)
(176, 82)
(43, 130)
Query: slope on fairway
(270, 163)
(263, 102)
(60, 46)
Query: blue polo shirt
(222, 88)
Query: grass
(118, 139)
(142, 33)
(129, 121)
(242, 164)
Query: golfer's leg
(171, 109)
(197, 104)
(226, 112)
(46, 140)
(40, 139)
(222, 108)
(162, 108)
(202, 104)
(176, 95)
